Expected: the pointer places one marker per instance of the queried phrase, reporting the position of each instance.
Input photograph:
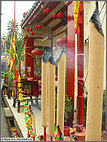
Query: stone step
(8, 112)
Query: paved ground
(4, 126)
(21, 119)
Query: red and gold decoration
(22, 45)
(20, 95)
(23, 42)
(77, 10)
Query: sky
(7, 11)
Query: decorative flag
(14, 51)
(78, 15)
(76, 6)
(75, 11)
(10, 63)
(19, 89)
(5, 47)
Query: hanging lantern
(24, 39)
(30, 29)
(27, 29)
(48, 10)
(55, 16)
(62, 41)
(60, 15)
(32, 33)
(26, 35)
(23, 42)
(22, 45)
(36, 26)
(44, 11)
(39, 26)
(36, 52)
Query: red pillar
(71, 57)
(29, 60)
(80, 60)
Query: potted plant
(67, 113)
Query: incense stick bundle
(51, 99)
(44, 95)
(95, 81)
(61, 92)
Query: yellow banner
(75, 12)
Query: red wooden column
(71, 57)
(80, 68)
(29, 60)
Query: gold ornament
(75, 12)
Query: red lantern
(60, 15)
(48, 10)
(36, 26)
(55, 16)
(30, 29)
(26, 35)
(32, 33)
(23, 42)
(36, 52)
(62, 41)
(24, 39)
(22, 45)
(39, 26)
(27, 29)
(44, 11)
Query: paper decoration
(28, 119)
(58, 134)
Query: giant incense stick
(61, 91)
(51, 97)
(95, 80)
(44, 97)
(44, 92)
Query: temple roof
(29, 12)
(36, 16)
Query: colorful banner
(14, 51)
(10, 63)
